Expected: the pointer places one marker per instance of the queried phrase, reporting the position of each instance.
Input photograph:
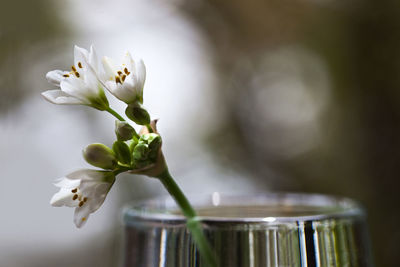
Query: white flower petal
(55, 77)
(123, 92)
(141, 74)
(95, 203)
(61, 98)
(94, 175)
(64, 197)
(95, 189)
(101, 190)
(95, 69)
(109, 68)
(80, 55)
(111, 86)
(88, 187)
(77, 88)
(67, 183)
(129, 62)
(81, 215)
(93, 59)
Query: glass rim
(157, 210)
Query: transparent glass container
(274, 229)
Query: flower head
(85, 190)
(80, 85)
(125, 82)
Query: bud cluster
(146, 151)
(129, 151)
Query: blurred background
(299, 95)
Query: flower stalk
(193, 222)
(115, 114)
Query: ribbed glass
(262, 230)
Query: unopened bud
(153, 142)
(137, 114)
(100, 156)
(140, 152)
(124, 131)
(122, 152)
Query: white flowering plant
(132, 152)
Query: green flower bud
(154, 143)
(122, 152)
(132, 143)
(137, 114)
(100, 156)
(140, 152)
(124, 131)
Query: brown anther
(81, 203)
(118, 80)
(126, 71)
(119, 73)
(65, 75)
(74, 190)
(75, 197)
(83, 219)
(84, 199)
(123, 77)
(77, 74)
(80, 64)
(73, 68)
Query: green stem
(169, 184)
(115, 114)
(193, 222)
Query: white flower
(80, 86)
(85, 190)
(127, 81)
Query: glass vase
(274, 229)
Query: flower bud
(154, 143)
(122, 152)
(137, 114)
(124, 131)
(100, 156)
(140, 152)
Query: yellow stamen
(65, 75)
(77, 74)
(123, 77)
(80, 64)
(83, 219)
(126, 71)
(73, 68)
(117, 79)
(119, 73)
